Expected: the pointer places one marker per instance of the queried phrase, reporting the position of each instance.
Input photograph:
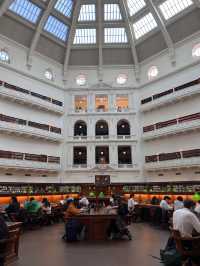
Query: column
(91, 102)
(113, 155)
(111, 99)
(69, 152)
(90, 155)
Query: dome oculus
(153, 72)
(121, 79)
(4, 56)
(196, 50)
(81, 80)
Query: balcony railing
(169, 95)
(172, 126)
(187, 158)
(30, 97)
(13, 124)
(125, 165)
(20, 160)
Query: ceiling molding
(4, 6)
(125, 15)
(158, 17)
(77, 6)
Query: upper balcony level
(101, 104)
(173, 160)
(172, 126)
(24, 161)
(29, 128)
(31, 98)
(170, 96)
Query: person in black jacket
(3, 235)
(14, 206)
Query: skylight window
(26, 10)
(115, 35)
(65, 7)
(85, 36)
(112, 12)
(172, 7)
(144, 25)
(56, 28)
(135, 6)
(87, 13)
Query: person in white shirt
(165, 204)
(84, 201)
(185, 221)
(131, 203)
(178, 203)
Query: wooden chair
(189, 247)
(9, 247)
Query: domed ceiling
(99, 32)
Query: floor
(44, 247)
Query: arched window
(80, 128)
(4, 56)
(123, 128)
(101, 128)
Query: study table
(97, 222)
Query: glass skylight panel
(112, 12)
(172, 7)
(115, 35)
(135, 6)
(85, 36)
(144, 25)
(56, 28)
(65, 7)
(87, 13)
(26, 10)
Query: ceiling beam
(197, 3)
(4, 6)
(131, 37)
(100, 40)
(75, 14)
(154, 10)
(38, 31)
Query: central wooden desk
(97, 223)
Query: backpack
(170, 257)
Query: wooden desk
(97, 223)
(13, 245)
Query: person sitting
(131, 204)
(185, 221)
(178, 203)
(3, 236)
(165, 203)
(197, 208)
(13, 207)
(118, 228)
(32, 206)
(155, 201)
(84, 202)
(46, 206)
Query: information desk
(13, 245)
(97, 223)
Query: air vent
(8, 174)
(160, 174)
(178, 173)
